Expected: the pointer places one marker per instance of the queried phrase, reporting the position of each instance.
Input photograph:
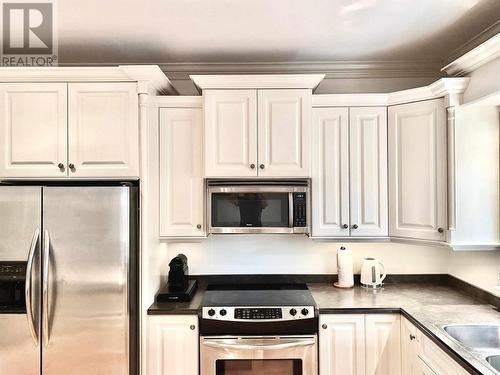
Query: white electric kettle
(372, 273)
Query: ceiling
(237, 31)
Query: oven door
(255, 355)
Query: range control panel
(258, 314)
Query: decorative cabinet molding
(33, 130)
(181, 176)
(330, 172)
(349, 172)
(173, 345)
(284, 133)
(342, 344)
(383, 344)
(230, 133)
(103, 130)
(418, 171)
(368, 171)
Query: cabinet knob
(262, 166)
(440, 230)
(252, 166)
(61, 166)
(345, 226)
(198, 226)
(412, 337)
(72, 167)
(192, 327)
(324, 326)
(355, 226)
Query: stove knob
(305, 312)
(293, 312)
(211, 312)
(223, 312)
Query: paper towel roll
(345, 268)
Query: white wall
(285, 254)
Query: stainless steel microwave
(262, 206)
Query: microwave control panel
(299, 209)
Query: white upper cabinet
(181, 172)
(103, 130)
(33, 132)
(230, 133)
(284, 127)
(330, 172)
(250, 133)
(368, 171)
(417, 170)
(342, 344)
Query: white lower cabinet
(173, 345)
(409, 349)
(181, 173)
(342, 344)
(359, 344)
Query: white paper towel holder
(342, 270)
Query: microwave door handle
(27, 286)
(290, 209)
(45, 288)
(234, 344)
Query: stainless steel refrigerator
(77, 246)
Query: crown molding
(147, 76)
(257, 81)
(332, 70)
(470, 61)
(450, 88)
(181, 101)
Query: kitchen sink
(476, 336)
(494, 361)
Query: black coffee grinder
(179, 288)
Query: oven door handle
(27, 286)
(273, 345)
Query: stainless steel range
(258, 329)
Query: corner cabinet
(181, 173)
(383, 344)
(173, 345)
(60, 130)
(418, 170)
(257, 133)
(349, 169)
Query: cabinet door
(181, 177)
(409, 349)
(173, 345)
(330, 173)
(103, 130)
(33, 130)
(284, 129)
(383, 344)
(230, 133)
(436, 359)
(417, 170)
(368, 171)
(422, 368)
(342, 344)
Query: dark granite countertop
(429, 306)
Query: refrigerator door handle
(27, 288)
(45, 288)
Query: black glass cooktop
(257, 295)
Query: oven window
(250, 210)
(258, 367)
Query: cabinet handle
(355, 226)
(262, 166)
(198, 226)
(252, 166)
(440, 230)
(72, 167)
(61, 166)
(345, 226)
(324, 326)
(192, 327)
(412, 337)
